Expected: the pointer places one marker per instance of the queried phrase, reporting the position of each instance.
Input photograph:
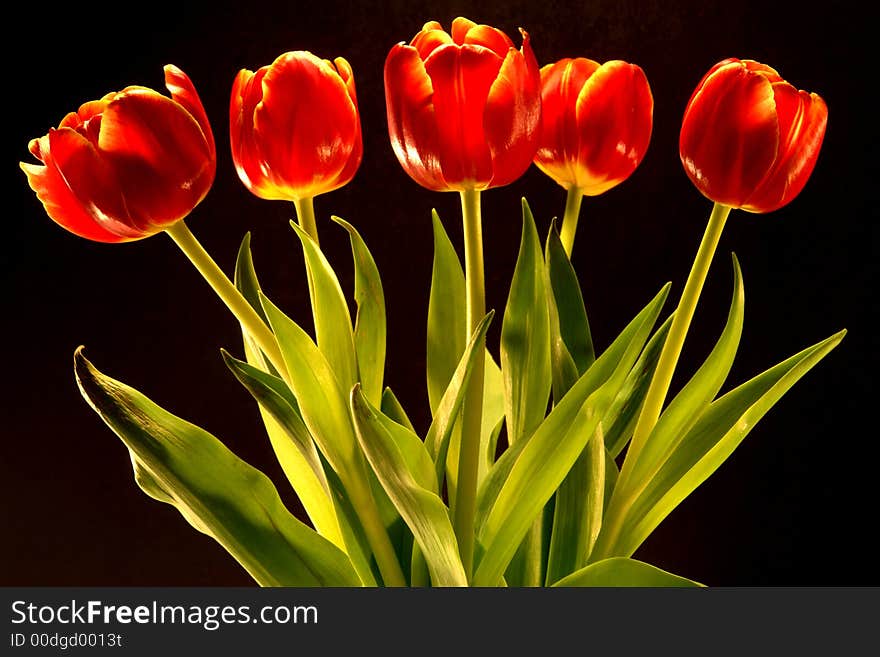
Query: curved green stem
(659, 386)
(227, 292)
(305, 215)
(570, 218)
(472, 413)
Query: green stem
(377, 536)
(656, 395)
(472, 413)
(227, 292)
(570, 218)
(305, 215)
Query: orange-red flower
(749, 139)
(294, 127)
(126, 166)
(596, 123)
(464, 108)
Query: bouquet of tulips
(548, 465)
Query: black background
(793, 506)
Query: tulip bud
(749, 139)
(463, 108)
(128, 165)
(596, 123)
(294, 127)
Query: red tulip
(596, 123)
(749, 139)
(294, 127)
(126, 166)
(463, 109)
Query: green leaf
(628, 404)
(525, 338)
(619, 571)
(421, 508)
(246, 282)
(447, 322)
(332, 321)
(533, 473)
(369, 326)
(577, 517)
(689, 404)
(595, 376)
(295, 448)
(393, 409)
(318, 392)
(566, 292)
(714, 437)
(447, 411)
(493, 410)
(219, 494)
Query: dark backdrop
(792, 506)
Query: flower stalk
(237, 304)
(305, 216)
(472, 413)
(659, 387)
(570, 219)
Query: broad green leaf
(619, 571)
(566, 292)
(369, 325)
(689, 404)
(525, 338)
(295, 448)
(714, 437)
(219, 494)
(246, 277)
(393, 409)
(590, 381)
(628, 404)
(447, 411)
(421, 508)
(318, 392)
(577, 517)
(553, 448)
(246, 282)
(447, 322)
(332, 322)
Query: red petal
(462, 77)
(559, 142)
(182, 90)
(159, 155)
(354, 159)
(79, 216)
(306, 126)
(347, 75)
(614, 116)
(763, 69)
(729, 134)
(512, 119)
(247, 91)
(460, 28)
(429, 39)
(802, 121)
(412, 124)
(491, 38)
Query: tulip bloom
(128, 165)
(596, 123)
(294, 127)
(464, 109)
(749, 139)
